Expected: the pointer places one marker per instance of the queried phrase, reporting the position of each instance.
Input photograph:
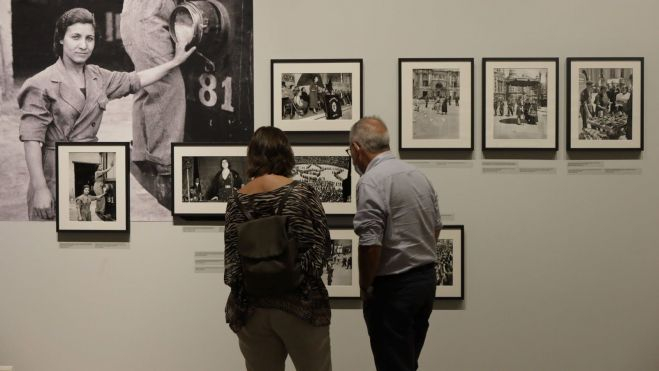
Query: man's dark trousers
(397, 317)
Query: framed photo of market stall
(93, 187)
(605, 103)
(316, 95)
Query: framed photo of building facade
(450, 263)
(520, 103)
(435, 103)
(341, 274)
(316, 95)
(92, 187)
(205, 176)
(605, 103)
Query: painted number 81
(207, 94)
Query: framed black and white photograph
(435, 103)
(520, 103)
(605, 103)
(205, 176)
(341, 274)
(329, 170)
(450, 263)
(92, 187)
(316, 95)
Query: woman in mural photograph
(66, 101)
(224, 183)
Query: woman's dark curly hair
(71, 16)
(269, 153)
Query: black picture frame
(615, 130)
(521, 129)
(453, 130)
(77, 168)
(450, 265)
(296, 75)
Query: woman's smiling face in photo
(78, 42)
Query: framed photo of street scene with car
(435, 103)
(450, 263)
(316, 95)
(520, 103)
(92, 187)
(341, 274)
(605, 103)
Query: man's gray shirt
(397, 209)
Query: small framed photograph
(205, 176)
(450, 263)
(93, 187)
(316, 95)
(605, 103)
(435, 103)
(520, 103)
(340, 275)
(329, 170)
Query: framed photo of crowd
(450, 263)
(92, 187)
(520, 103)
(605, 103)
(341, 274)
(206, 175)
(436, 103)
(316, 95)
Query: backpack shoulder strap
(245, 212)
(282, 201)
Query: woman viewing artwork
(65, 102)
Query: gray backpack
(267, 252)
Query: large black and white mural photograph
(206, 176)
(435, 103)
(91, 187)
(145, 72)
(329, 170)
(450, 263)
(341, 273)
(605, 103)
(315, 95)
(520, 103)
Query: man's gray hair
(371, 133)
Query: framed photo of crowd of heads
(605, 103)
(450, 263)
(316, 95)
(205, 176)
(92, 187)
(520, 103)
(340, 275)
(435, 103)
(329, 170)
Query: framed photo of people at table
(341, 273)
(450, 263)
(92, 187)
(605, 103)
(435, 103)
(316, 95)
(520, 103)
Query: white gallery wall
(562, 271)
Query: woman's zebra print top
(310, 302)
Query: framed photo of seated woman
(92, 187)
(316, 95)
(205, 176)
